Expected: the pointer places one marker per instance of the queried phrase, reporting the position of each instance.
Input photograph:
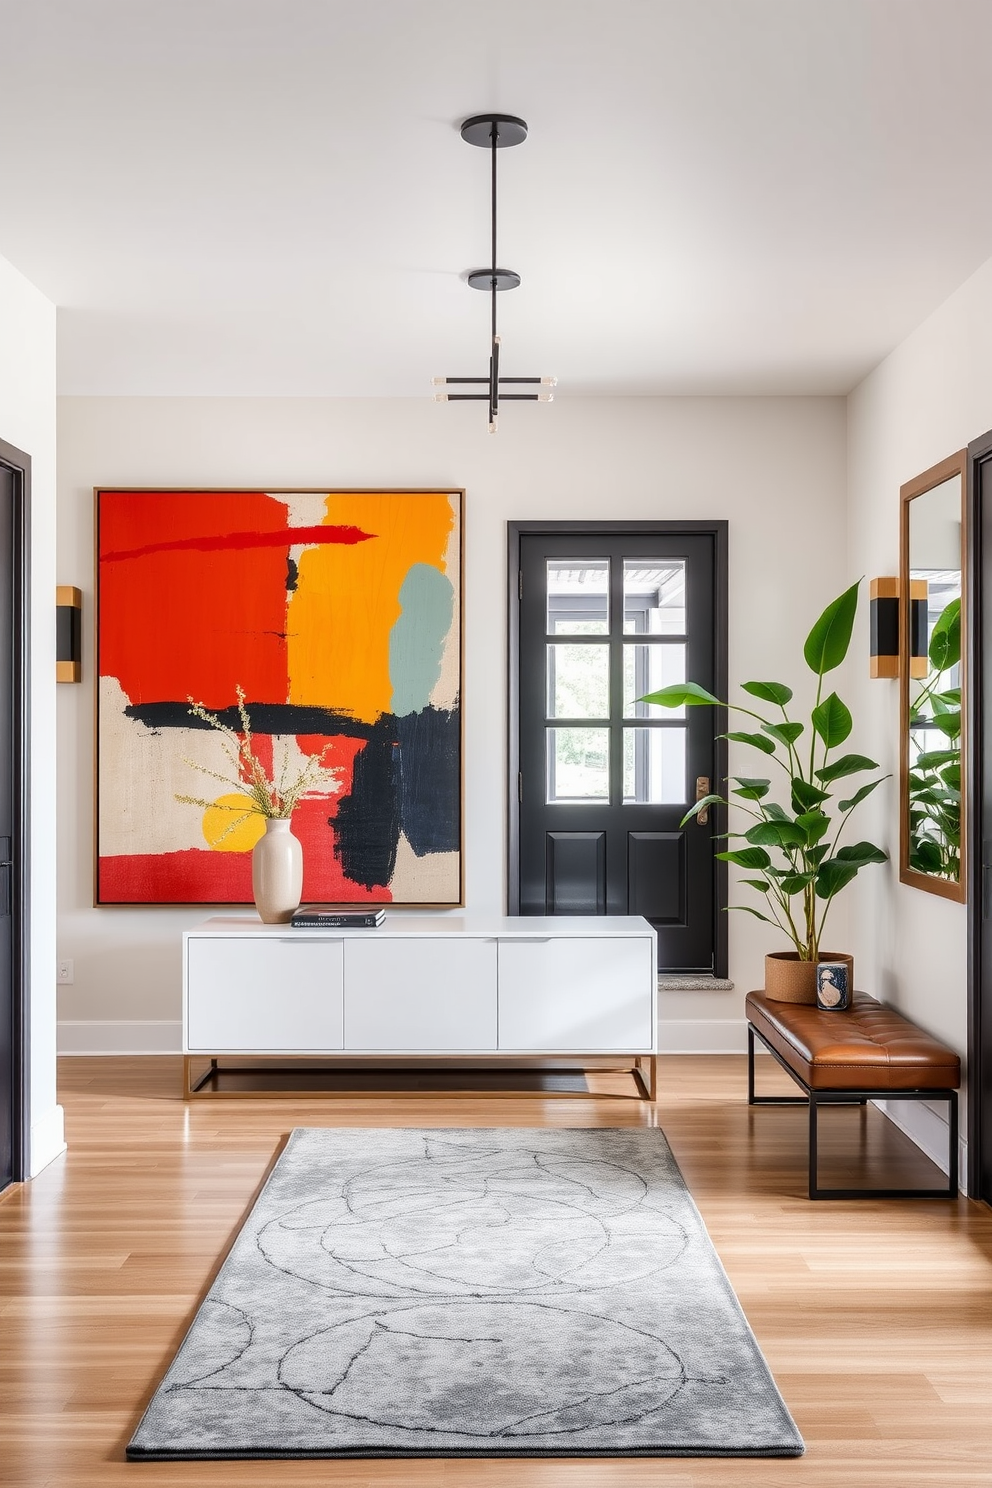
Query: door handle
(702, 789)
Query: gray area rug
(470, 1293)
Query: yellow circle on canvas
(217, 820)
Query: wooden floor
(876, 1317)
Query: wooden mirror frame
(956, 464)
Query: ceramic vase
(277, 872)
(787, 979)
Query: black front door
(604, 614)
(8, 1050)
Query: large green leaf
(848, 764)
(701, 805)
(926, 857)
(859, 795)
(934, 757)
(747, 857)
(758, 741)
(827, 643)
(794, 883)
(751, 790)
(776, 834)
(769, 692)
(945, 640)
(805, 796)
(814, 824)
(832, 721)
(785, 733)
(757, 883)
(774, 811)
(948, 723)
(832, 875)
(680, 694)
(862, 853)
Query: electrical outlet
(65, 973)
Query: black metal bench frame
(815, 1098)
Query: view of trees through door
(600, 615)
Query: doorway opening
(15, 481)
(601, 613)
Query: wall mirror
(932, 679)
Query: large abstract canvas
(339, 616)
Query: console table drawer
(250, 993)
(421, 996)
(576, 995)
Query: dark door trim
(19, 465)
(718, 530)
(978, 790)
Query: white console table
(423, 986)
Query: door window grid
(654, 608)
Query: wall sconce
(68, 634)
(883, 621)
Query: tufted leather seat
(867, 1047)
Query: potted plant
(277, 857)
(792, 848)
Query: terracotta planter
(277, 872)
(787, 979)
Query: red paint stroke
(193, 622)
(229, 541)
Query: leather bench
(868, 1052)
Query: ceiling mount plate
(479, 130)
(483, 279)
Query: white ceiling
(272, 197)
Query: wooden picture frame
(338, 612)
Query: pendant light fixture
(494, 132)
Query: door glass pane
(578, 764)
(645, 669)
(654, 766)
(654, 596)
(578, 682)
(578, 596)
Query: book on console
(328, 916)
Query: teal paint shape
(416, 641)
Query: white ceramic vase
(277, 872)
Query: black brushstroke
(292, 574)
(430, 780)
(266, 718)
(367, 823)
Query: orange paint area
(346, 602)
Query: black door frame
(19, 465)
(977, 787)
(718, 530)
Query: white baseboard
(120, 1036)
(47, 1141)
(702, 1035)
(926, 1125)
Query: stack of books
(334, 917)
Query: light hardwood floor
(875, 1316)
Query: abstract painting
(339, 615)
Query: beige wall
(774, 467)
(27, 421)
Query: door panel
(605, 615)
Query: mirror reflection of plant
(810, 866)
(262, 794)
(934, 779)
